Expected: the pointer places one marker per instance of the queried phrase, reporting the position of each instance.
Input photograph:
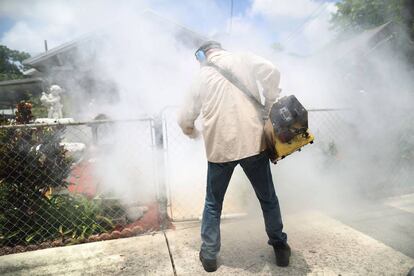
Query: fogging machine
(286, 130)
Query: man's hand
(195, 135)
(191, 132)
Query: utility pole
(231, 16)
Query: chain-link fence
(187, 165)
(67, 183)
(339, 155)
(186, 175)
(369, 153)
(77, 182)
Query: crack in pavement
(169, 253)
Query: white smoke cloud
(58, 21)
(318, 31)
(151, 70)
(24, 36)
(279, 8)
(303, 26)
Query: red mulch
(81, 179)
(150, 221)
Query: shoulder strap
(236, 82)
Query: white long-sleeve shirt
(232, 123)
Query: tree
(357, 15)
(11, 63)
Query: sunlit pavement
(322, 245)
(390, 221)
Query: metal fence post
(161, 169)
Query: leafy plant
(11, 66)
(32, 161)
(356, 16)
(60, 217)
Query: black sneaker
(209, 265)
(282, 253)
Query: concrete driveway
(321, 246)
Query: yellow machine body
(284, 149)
(279, 150)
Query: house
(72, 65)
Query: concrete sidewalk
(132, 256)
(321, 246)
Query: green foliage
(59, 217)
(357, 15)
(354, 16)
(32, 161)
(38, 109)
(30, 216)
(11, 63)
(78, 216)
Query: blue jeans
(257, 169)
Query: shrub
(32, 161)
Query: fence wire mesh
(187, 165)
(186, 169)
(68, 183)
(187, 173)
(336, 151)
